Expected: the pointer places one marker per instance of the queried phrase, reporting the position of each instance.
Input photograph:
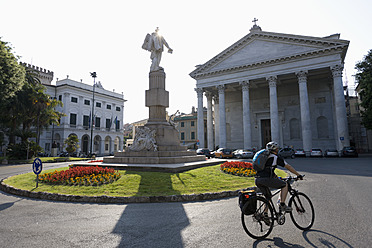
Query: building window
(108, 123)
(108, 106)
(182, 124)
(60, 97)
(192, 135)
(86, 120)
(193, 123)
(73, 119)
(117, 125)
(74, 99)
(98, 104)
(182, 135)
(118, 109)
(98, 122)
(86, 102)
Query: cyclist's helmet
(272, 146)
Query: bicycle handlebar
(290, 178)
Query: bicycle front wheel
(259, 224)
(302, 214)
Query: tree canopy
(12, 74)
(364, 78)
(24, 104)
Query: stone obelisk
(157, 100)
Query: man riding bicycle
(268, 179)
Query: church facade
(273, 86)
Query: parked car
(223, 153)
(204, 151)
(316, 152)
(300, 153)
(244, 153)
(349, 151)
(287, 152)
(331, 153)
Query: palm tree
(72, 143)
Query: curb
(112, 199)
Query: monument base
(158, 141)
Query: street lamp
(93, 75)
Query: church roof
(260, 48)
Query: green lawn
(136, 183)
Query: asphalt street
(338, 187)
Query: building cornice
(324, 45)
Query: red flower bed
(81, 176)
(238, 168)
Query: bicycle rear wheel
(303, 214)
(257, 225)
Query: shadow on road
(312, 238)
(152, 224)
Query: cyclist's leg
(283, 193)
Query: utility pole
(93, 75)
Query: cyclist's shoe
(284, 208)
(266, 219)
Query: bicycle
(260, 223)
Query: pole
(94, 75)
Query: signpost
(37, 167)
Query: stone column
(80, 114)
(222, 114)
(216, 121)
(274, 113)
(66, 102)
(246, 116)
(342, 138)
(305, 112)
(200, 117)
(210, 145)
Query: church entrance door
(265, 131)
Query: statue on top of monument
(154, 43)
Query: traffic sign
(37, 166)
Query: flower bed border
(119, 199)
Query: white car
(246, 153)
(331, 153)
(316, 152)
(300, 153)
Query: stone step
(154, 160)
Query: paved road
(339, 188)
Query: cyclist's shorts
(275, 183)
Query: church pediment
(259, 48)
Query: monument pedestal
(167, 148)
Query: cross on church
(255, 20)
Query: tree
(12, 74)
(72, 143)
(28, 108)
(364, 78)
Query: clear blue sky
(77, 37)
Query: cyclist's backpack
(259, 159)
(250, 197)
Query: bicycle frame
(279, 216)
(260, 224)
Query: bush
(19, 151)
(81, 176)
